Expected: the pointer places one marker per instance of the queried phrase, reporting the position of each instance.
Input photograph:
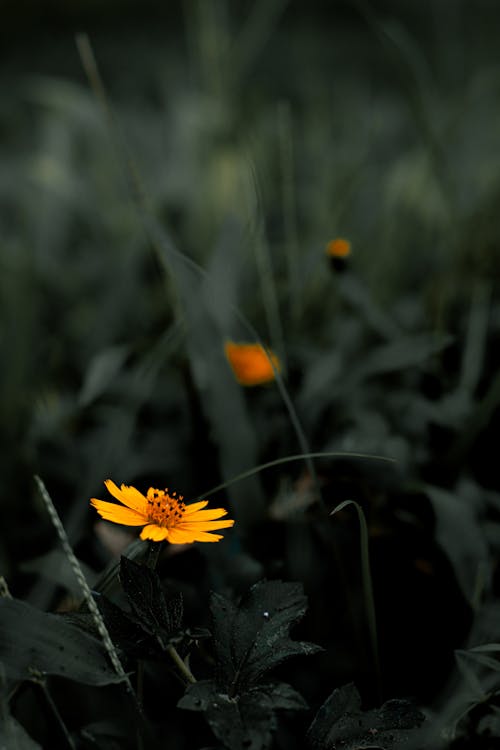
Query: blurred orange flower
(251, 363)
(163, 515)
(338, 248)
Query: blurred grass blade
(358, 296)
(367, 585)
(285, 136)
(459, 533)
(102, 370)
(286, 460)
(255, 33)
(475, 341)
(265, 271)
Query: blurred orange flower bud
(251, 363)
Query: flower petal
(118, 514)
(207, 515)
(154, 532)
(204, 525)
(202, 536)
(179, 536)
(129, 496)
(194, 507)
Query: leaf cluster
(155, 618)
(250, 639)
(340, 723)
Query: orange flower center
(164, 509)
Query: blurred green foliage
(195, 206)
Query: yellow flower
(163, 515)
(338, 248)
(250, 363)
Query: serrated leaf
(35, 641)
(145, 594)
(252, 638)
(125, 632)
(246, 722)
(341, 723)
(280, 696)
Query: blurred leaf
(55, 566)
(487, 648)
(459, 533)
(341, 723)
(477, 655)
(102, 370)
(252, 638)
(13, 736)
(471, 678)
(33, 641)
(406, 351)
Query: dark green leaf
(107, 735)
(126, 632)
(13, 736)
(145, 593)
(33, 641)
(341, 723)
(279, 695)
(253, 638)
(246, 722)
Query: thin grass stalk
(286, 460)
(289, 209)
(265, 271)
(474, 350)
(52, 709)
(367, 587)
(87, 594)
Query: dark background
(246, 136)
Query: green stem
(153, 554)
(367, 587)
(181, 666)
(187, 675)
(52, 709)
